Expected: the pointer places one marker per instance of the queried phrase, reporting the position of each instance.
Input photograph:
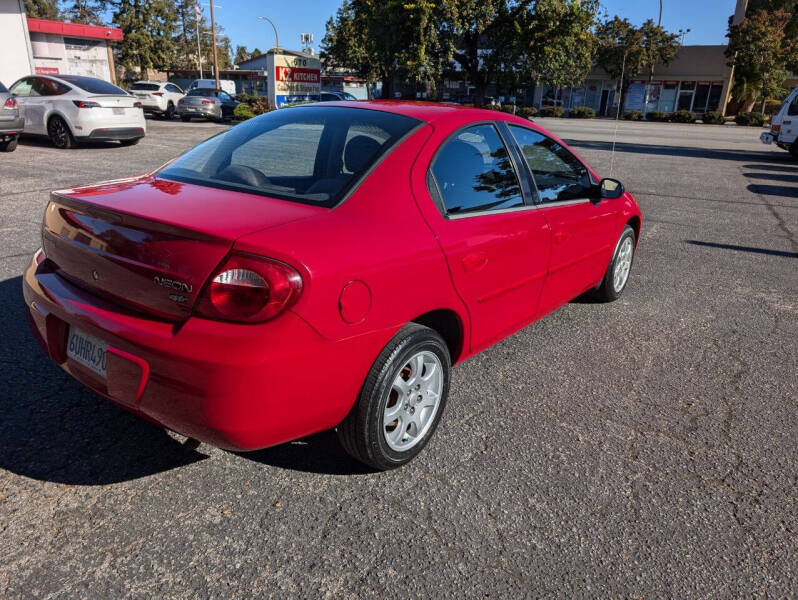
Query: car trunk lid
(150, 244)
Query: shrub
(552, 111)
(243, 112)
(527, 112)
(772, 106)
(713, 117)
(260, 105)
(684, 116)
(658, 116)
(509, 108)
(750, 119)
(633, 115)
(582, 112)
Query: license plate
(119, 111)
(191, 109)
(87, 351)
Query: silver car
(11, 124)
(207, 103)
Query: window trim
(539, 202)
(437, 197)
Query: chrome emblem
(173, 284)
(95, 275)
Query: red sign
(298, 75)
(47, 70)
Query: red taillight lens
(11, 104)
(207, 101)
(85, 104)
(157, 93)
(250, 289)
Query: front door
(496, 244)
(583, 226)
(31, 105)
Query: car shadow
(788, 178)
(43, 142)
(782, 191)
(321, 453)
(53, 429)
(684, 152)
(739, 248)
(775, 167)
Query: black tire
(362, 433)
(606, 291)
(170, 111)
(794, 149)
(131, 142)
(185, 118)
(9, 146)
(59, 133)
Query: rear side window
(93, 86)
(473, 172)
(793, 110)
(312, 154)
(170, 87)
(3, 89)
(48, 87)
(558, 174)
(145, 87)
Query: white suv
(157, 97)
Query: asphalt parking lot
(645, 448)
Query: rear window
(92, 85)
(202, 92)
(309, 154)
(145, 87)
(3, 89)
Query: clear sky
(707, 19)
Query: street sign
(292, 78)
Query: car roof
(428, 112)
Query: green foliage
(552, 111)
(148, 26)
(633, 115)
(658, 116)
(772, 107)
(761, 51)
(43, 9)
(750, 119)
(243, 112)
(713, 118)
(527, 112)
(684, 116)
(582, 112)
(184, 37)
(87, 12)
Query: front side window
(173, 88)
(793, 110)
(313, 154)
(473, 172)
(93, 85)
(558, 174)
(23, 88)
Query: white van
(784, 126)
(227, 85)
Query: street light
(276, 39)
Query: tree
(43, 9)
(241, 55)
(624, 50)
(88, 12)
(149, 26)
(761, 50)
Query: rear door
(30, 105)
(789, 123)
(495, 240)
(583, 226)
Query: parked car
(71, 108)
(227, 85)
(784, 125)
(157, 97)
(206, 103)
(323, 266)
(334, 95)
(11, 124)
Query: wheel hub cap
(623, 263)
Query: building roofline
(94, 32)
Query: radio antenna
(618, 113)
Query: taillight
(11, 104)
(249, 289)
(157, 93)
(776, 128)
(137, 105)
(207, 102)
(85, 104)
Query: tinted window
(311, 154)
(558, 174)
(48, 87)
(347, 96)
(3, 88)
(202, 92)
(23, 88)
(225, 97)
(793, 108)
(173, 88)
(473, 172)
(328, 98)
(145, 87)
(93, 86)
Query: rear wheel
(170, 111)
(59, 133)
(794, 149)
(9, 146)
(401, 402)
(617, 275)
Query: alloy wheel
(623, 264)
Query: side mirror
(611, 189)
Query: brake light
(157, 93)
(776, 128)
(249, 289)
(137, 105)
(11, 104)
(207, 101)
(85, 104)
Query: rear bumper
(240, 387)
(12, 127)
(767, 138)
(115, 133)
(209, 112)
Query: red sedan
(322, 266)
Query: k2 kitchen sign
(293, 78)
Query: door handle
(475, 261)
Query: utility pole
(650, 49)
(215, 57)
(198, 17)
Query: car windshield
(148, 87)
(347, 96)
(310, 154)
(92, 85)
(202, 92)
